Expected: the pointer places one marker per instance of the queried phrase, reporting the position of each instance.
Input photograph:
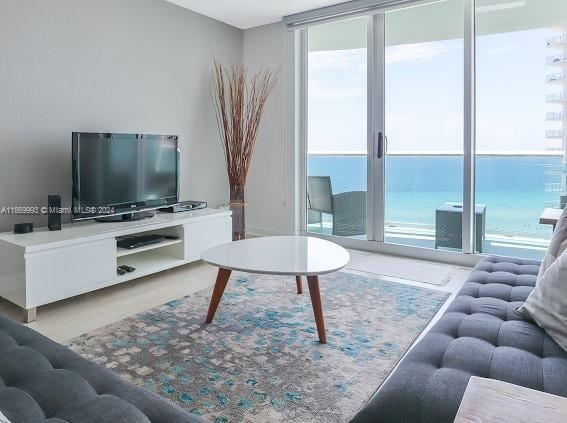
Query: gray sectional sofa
(42, 381)
(479, 335)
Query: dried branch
(239, 104)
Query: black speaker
(23, 228)
(54, 212)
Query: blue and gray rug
(260, 360)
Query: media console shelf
(43, 267)
(121, 252)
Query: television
(121, 176)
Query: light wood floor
(67, 319)
(70, 318)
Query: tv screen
(123, 173)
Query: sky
(424, 96)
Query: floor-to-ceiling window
(337, 121)
(519, 140)
(387, 141)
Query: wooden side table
(493, 401)
(550, 217)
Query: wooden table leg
(313, 283)
(220, 285)
(299, 285)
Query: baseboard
(258, 231)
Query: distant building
(559, 117)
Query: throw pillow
(547, 304)
(557, 245)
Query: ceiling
(522, 14)
(246, 14)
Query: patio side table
(449, 226)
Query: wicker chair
(348, 209)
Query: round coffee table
(278, 255)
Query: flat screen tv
(121, 175)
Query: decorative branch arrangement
(239, 102)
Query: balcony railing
(559, 40)
(556, 115)
(554, 187)
(554, 134)
(558, 59)
(556, 150)
(553, 204)
(554, 98)
(556, 170)
(556, 77)
(525, 238)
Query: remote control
(126, 268)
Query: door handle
(381, 148)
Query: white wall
(105, 66)
(271, 182)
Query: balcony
(555, 187)
(558, 41)
(553, 204)
(557, 60)
(556, 116)
(556, 78)
(555, 98)
(423, 236)
(554, 134)
(556, 170)
(515, 190)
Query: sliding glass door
(439, 125)
(423, 92)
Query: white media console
(43, 267)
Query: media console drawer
(201, 236)
(63, 272)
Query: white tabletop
(279, 255)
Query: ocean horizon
(492, 153)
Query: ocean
(511, 187)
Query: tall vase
(238, 208)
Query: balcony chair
(348, 209)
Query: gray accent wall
(105, 66)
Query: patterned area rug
(260, 359)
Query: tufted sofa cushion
(479, 335)
(42, 381)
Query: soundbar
(185, 206)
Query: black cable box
(139, 241)
(185, 206)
